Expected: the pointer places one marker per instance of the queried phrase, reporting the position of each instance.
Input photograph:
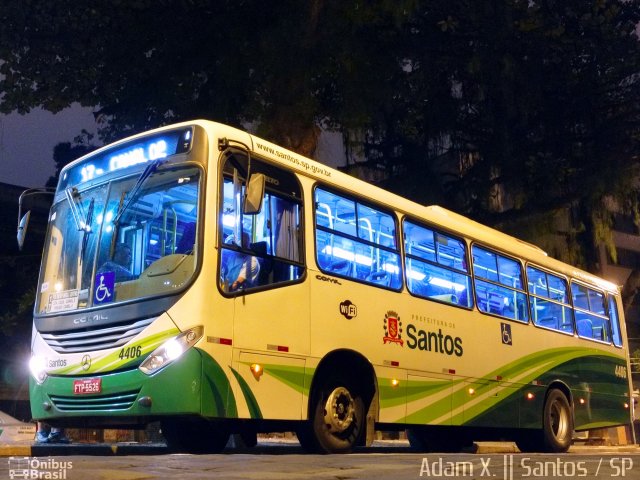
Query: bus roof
(434, 214)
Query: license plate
(87, 385)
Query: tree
(556, 114)
(152, 62)
(505, 110)
(66, 152)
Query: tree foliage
(66, 152)
(505, 110)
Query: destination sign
(127, 155)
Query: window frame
(531, 296)
(523, 279)
(436, 229)
(614, 298)
(365, 202)
(590, 312)
(220, 246)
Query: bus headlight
(38, 365)
(171, 350)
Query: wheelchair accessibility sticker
(507, 339)
(103, 291)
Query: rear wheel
(557, 427)
(188, 436)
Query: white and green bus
(202, 277)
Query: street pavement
(276, 446)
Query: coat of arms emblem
(392, 328)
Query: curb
(100, 449)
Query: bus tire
(557, 423)
(338, 419)
(194, 437)
(557, 427)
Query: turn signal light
(256, 370)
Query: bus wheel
(557, 427)
(194, 437)
(338, 417)
(557, 423)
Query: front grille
(113, 402)
(100, 338)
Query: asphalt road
(285, 461)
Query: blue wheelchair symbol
(507, 339)
(104, 287)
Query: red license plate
(87, 385)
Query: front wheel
(338, 418)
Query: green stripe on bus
(218, 400)
(252, 403)
(112, 361)
(289, 375)
(517, 373)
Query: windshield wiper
(146, 173)
(87, 228)
(73, 197)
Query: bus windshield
(113, 242)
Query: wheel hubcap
(339, 410)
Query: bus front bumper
(121, 398)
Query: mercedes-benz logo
(86, 362)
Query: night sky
(27, 141)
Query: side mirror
(22, 229)
(23, 221)
(254, 194)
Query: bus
(198, 276)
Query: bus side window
(436, 265)
(499, 285)
(356, 241)
(273, 234)
(615, 321)
(591, 317)
(549, 303)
